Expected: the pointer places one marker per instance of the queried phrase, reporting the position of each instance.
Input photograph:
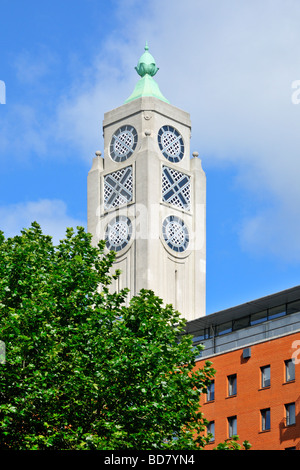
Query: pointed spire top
(146, 86)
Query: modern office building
(255, 349)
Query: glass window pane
(289, 370)
(224, 328)
(277, 312)
(265, 376)
(232, 426)
(293, 307)
(241, 323)
(259, 317)
(290, 414)
(265, 419)
(211, 391)
(211, 430)
(200, 337)
(232, 385)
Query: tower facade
(147, 197)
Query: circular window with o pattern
(118, 233)
(123, 143)
(175, 233)
(170, 143)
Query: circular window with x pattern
(175, 233)
(123, 143)
(118, 233)
(170, 143)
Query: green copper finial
(146, 64)
(146, 86)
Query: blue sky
(232, 65)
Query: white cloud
(100, 88)
(51, 215)
(231, 65)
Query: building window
(224, 328)
(290, 414)
(277, 312)
(293, 307)
(176, 188)
(211, 391)
(231, 385)
(170, 143)
(265, 419)
(211, 430)
(289, 370)
(118, 233)
(175, 233)
(265, 376)
(258, 317)
(118, 188)
(232, 426)
(123, 143)
(239, 323)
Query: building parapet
(250, 323)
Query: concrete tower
(147, 197)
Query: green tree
(233, 444)
(82, 369)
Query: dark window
(293, 307)
(277, 312)
(232, 385)
(211, 391)
(265, 376)
(265, 419)
(198, 338)
(241, 323)
(258, 317)
(224, 328)
(289, 370)
(201, 335)
(232, 426)
(211, 430)
(290, 414)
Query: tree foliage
(233, 444)
(84, 369)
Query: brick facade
(251, 397)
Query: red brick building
(255, 349)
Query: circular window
(118, 233)
(170, 143)
(175, 233)
(123, 143)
